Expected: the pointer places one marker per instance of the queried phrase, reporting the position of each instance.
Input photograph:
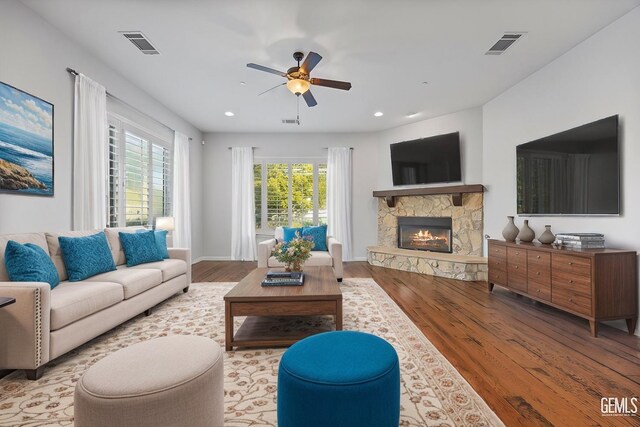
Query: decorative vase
(547, 237)
(293, 266)
(510, 231)
(526, 234)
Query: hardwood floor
(532, 364)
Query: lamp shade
(298, 86)
(165, 223)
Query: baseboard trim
(359, 258)
(211, 258)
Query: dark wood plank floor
(532, 364)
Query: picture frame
(26, 143)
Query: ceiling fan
(298, 79)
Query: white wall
(467, 122)
(34, 59)
(217, 179)
(596, 79)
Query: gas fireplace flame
(424, 236)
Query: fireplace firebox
(425, 233)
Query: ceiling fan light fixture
(298, 86)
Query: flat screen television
(575, 172)
(426, 160)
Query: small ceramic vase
(510, 232)
(526, 234)
(547, 237)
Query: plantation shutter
(114, 177)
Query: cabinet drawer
(498, 263)
(498, 276)
(571, 281)
(517, 280)
(540, 290)
(539, 267)
(571, 300)
(497, 251)
(517, 257)
(571, 264)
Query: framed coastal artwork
(26, 143)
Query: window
(292, 194)
(139, 176)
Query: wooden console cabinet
(595, 284)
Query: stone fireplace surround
(465, 263)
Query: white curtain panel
(243, 220)
(339, 197)
(90, 155)
(181, 192)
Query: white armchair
(331, 258)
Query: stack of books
(581, 240)
(281, 278)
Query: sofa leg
(147, 312)
(185, 290)
(34, 374)
(340, 280)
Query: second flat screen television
(426, 160)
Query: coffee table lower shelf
(258, 331)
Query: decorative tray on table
(278, 278)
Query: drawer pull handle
(570, 281)
(570, 263)
(538, 290)
(517, 253)
(538, 257)
(537, 273)
(571, 299)
(516, 267)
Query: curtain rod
(75, 73)
(255, 148)
(326, 148)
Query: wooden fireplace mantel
(456, 192)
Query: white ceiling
(385, 48)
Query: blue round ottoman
(340, 378)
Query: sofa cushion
(86, 256)
(290, 233)
(30, 263)
(35, 238)
(72, 301)
(170, 268)
(54, 248)
(113, 236)
(140, 247)
(133, 281)
(318, 259)
(318, 235)
(161, 241)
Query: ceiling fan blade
(275, 87)
(310, 62)
(266, 69)
(335, 84)
(309, 99)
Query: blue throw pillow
(318, 235)
(29, 263)
(161, 241)
(140, 248)
(289, 233)
(84, 257)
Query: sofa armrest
(25, 325)
(335, 250)
(264, 252)
(185, 255)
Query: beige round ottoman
(170, 381)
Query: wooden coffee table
(266, 305)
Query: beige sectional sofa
(330, 258)
(45, 323)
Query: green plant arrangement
(294, 253)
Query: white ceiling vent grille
(140, 41)
(504, 43)
(289, 121)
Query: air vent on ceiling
(140, 41)
(504, 43)
(289, 121)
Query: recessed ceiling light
(425, 83)
(378, 114)
(243, 83)
(229, 114)
(411, 115)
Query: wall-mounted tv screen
(575, 172)
(427, 160)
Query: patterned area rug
(433, 392)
